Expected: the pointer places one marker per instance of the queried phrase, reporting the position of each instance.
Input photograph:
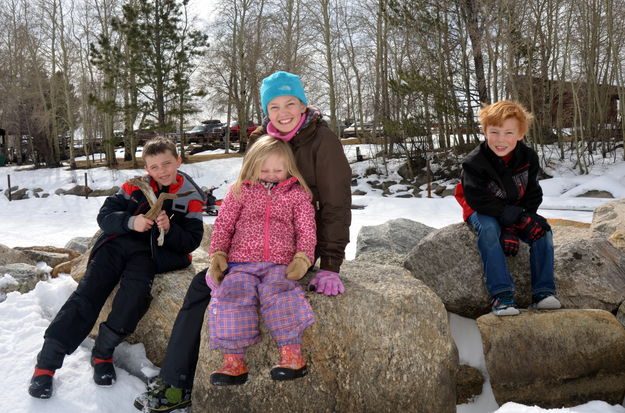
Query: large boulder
(609, 220)
(447, 260)
(382, 346)
(13, 256)
(589, 271)
(555, 358)
(396, 236)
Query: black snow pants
(180, 361)
(123, 260)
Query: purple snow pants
(233, 310)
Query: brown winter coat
(323, 165)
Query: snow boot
(49, 359)
(41, 384)
(161, 397)
(292, 365)
(102, 356)
(233, 372)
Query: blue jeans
(498, 278)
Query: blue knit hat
(281, 84)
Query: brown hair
(496, 113)
(157, 145)
(257, 154)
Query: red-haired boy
(499, 194)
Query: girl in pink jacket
(264, 236)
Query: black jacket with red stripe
(186, 225)
(492, 187)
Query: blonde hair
(498, 112)
(257, 154)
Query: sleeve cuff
(131, 222)
(331, 264)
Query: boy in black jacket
(127, 253)
(499, 194)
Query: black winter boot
(102, 356)
(49, 359)
(41, 384)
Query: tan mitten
(218, 264)
(298, 266)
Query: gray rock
(382, 257)
(18, 194)
(12, 256)
(52, 258)
(608, 217)
(469, 383)
(103, 192)
(555, 358)
(382, 346)
(78, 244)
(596, 194)
(26, 276)
(589, 272)
(398, 235)
(609, 220)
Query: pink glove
(326, 282)
(210, 281)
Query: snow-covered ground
(57, 219)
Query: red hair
(496, 113)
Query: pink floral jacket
(266, 224)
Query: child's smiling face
(285, 112)
(163, 167)
(503, 139)
(273, 169)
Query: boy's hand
(509, 241)
(532, 226)
(141, 223)
(298, 266)
(162, 221)
(218, 264)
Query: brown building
(543, 96)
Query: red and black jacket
(502, 190)
(186, 225)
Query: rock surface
(52, 256)
(21, 277)
(396, 236)
(609, 220)
(382, 346)
(555, 358)
(469, 382)
(14, 256)
(589, 272)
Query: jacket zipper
(266, 231)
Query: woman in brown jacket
(320, 157)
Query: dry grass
(558, 222)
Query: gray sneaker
(549, 302)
